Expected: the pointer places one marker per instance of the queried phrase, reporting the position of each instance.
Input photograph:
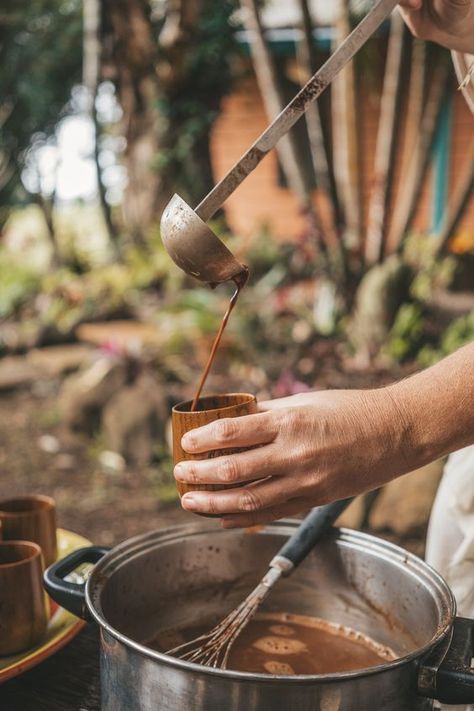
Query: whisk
(212, 649)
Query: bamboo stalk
(267, 80)
(415, 106)
(460, 199)
(413, 183)
(386, 143)
(327, 200)
(319, 151)
(346, 139)
(269, 88)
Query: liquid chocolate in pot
(284, 644)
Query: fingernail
(186, 442)
(178, 472)
(189, 502)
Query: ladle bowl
(194, 247)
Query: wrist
(397, 430)
(425, 438)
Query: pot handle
(449, 676)
(67, 594)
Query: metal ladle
(193, 246)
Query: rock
(112, 461)
(382, 290)
(134, 420)
(84, 395)
(49, 443)
(404, 505)
(56, 360)
(16, 372)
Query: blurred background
(359, 234)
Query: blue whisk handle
(308, 534)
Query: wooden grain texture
(211, 408)
(68, 681)
(23, 617)
(31, 518)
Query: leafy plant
(18, 284)
(406, 333)
(459, 333)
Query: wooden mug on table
(31, 518)
(209, 409)
(23, 609)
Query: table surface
(67, 681)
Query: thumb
(452, 11)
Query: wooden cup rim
(38, 503)
(184, 408)
(35, 553)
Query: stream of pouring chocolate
(240, 280)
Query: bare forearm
(436, 407)
(322, 446)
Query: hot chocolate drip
(240, 280)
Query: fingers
(244, 431)
(233, 469)
(272, 491)
(273, 513)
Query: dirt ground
(103, 503)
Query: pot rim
(142, 542)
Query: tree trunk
(166, 119)
(388, 133)
(91, 76)
(46, 205)
(132, 48)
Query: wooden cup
(31, 518)
(23, 610)
(210, 408)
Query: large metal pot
(190, 573)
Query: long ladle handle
(310, 532)
(295, 109)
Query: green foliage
(406, 334)
(18, 284)
(459, 333)
(113, 289)
(40, 61)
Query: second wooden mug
(23, 609)
(31, 518)
(209, 409)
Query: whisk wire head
(213, 648)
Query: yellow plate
(62, 626)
